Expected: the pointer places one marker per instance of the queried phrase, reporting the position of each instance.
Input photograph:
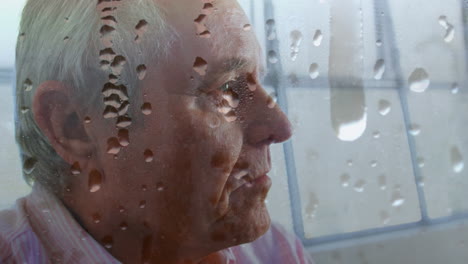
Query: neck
(131, 241)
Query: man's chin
(243, 223)
(256, 224)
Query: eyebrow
(234, 65)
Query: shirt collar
(64, 239)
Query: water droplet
(113, 146)
(421, 182)
(359, 185)
(272, 57)
(455, 88)
(224, 107)
(29, 165)
(379, 69)
(378, 43)
(87, 120)
(106, 32)
(296, 39)
(123, 226)
(141, 71)
(201, 29)
(397, 199)
(160, 187)
(142, 204)
(21, 37)
(421, 162)
(200, 19)
(121, 209)
(419, 80)
(123, 109)
(107, 54)
(123, 121)
(205, 34)
(141, 29)
(200, 66)
(109, 20)
(27, 85)
(146, 108)
(208, 8)
(311, 208)
(230, 116)
(75, 168)
(66, 39)
(94, 181)
(148, 154)
(24, 110)
(271, 29)
(118, 64)
(272, 99)
(350, 130)
(113, 79)
(110, 88)
(113, 100)
(373, 163)
(344, 179)
(457, 160)
(105, 65)
(382, 181)
(376, 134)
(318, 37)
(107, 242)
(384, 217)
(414, 129)
(247, 27)
(384, 107)
(124, 138)
(449, 29)
(348, 110)
(251, 82)
(231, 97)
(314, 71)
(96, 218)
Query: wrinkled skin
(193, 205)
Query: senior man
(145, 134)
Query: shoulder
(17, 238)
(10, 223)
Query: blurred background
(377, 92)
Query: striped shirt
(39, 229)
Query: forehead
(214, 31)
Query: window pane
(431, 37)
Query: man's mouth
(243, 178)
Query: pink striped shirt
(39, 229)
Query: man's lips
(249, 182)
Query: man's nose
(266, 123)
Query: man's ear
(56, 116)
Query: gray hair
(64, 41)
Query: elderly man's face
(194, 171)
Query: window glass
(156, 122)
(11, 181)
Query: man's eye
(225, 87)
